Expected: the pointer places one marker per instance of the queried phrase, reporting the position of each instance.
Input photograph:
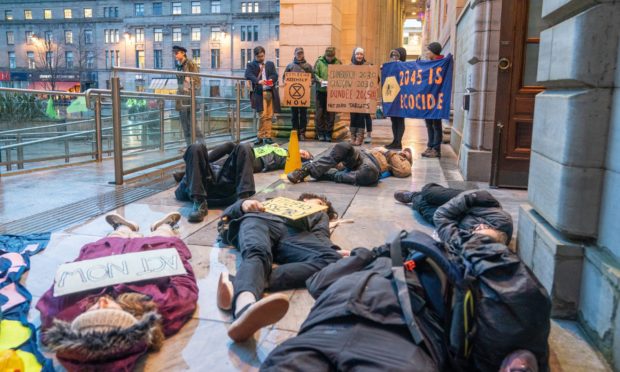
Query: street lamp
(128, 39)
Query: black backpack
(489, 303)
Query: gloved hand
(482, 199)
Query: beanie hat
(395, 53)
(403, 53)
(330, 52)
(103, 320)
(435, 47)
(299, 49)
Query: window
(90, 60)
(10, 38)
(249, 34)
(215, 33)
(88, 36)
(117, 58)
(243, 62)
(215, 58)
(110, 12)
(277, 57)
(29, 35)
(106, 59)
(31, 63)
(27, 14)
(242, 34)
(277, 32)
(47, 14)
(138, 9)
(195, 33)
(196, 56)
(214, 88)
(248, 53)
(8, 15)
(243, 8)
(139, 35)
(68, 37)
(49, 37)
(255, 33)
(176, 8)
(215, 6)
(69, 59)
(116, 16)
(68, 14)
(140, 58)
(195, 7)
(88, 12)
(12, 60)
(176, 34)
(158, 35)
(111, 36)
(157, 9)
(49, 57)
(106, 36)
(158, 58)
(255, 7)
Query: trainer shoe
(115, 220)
(199, 211)
(171, 219)
(404, 196)
(260, 314)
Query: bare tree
(50, 59)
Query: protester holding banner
(300, 114)
(324, 120)
(110, 328)
(398, 123)
(265, 98)
(360, 122)
(300, 247)
(433, 126)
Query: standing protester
(183, 106)
(324, 120)
(300, 114)
(433, 126)
(398, 124)
(359, 121)
(265, 98)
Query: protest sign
(352, 88)
(420, 89)
(297, 89)
(102, 272)
(291, 209)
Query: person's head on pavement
(319, 200)
(496, 235)
(305, 155)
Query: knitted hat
(403, 53)
(299, 49)
(435, 47)
(330, 51)
(103, 320)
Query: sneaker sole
(224, 292)
(110, 217)
(263, 313)
(175, 216)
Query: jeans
(300, 119)
(435, 134)
(361, 170)
(361, 121)
(432, 197)
(398, 129)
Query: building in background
(72, 45)
(412, 37)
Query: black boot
(199, 211)
(298, 175)
(330, 175)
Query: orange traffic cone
(293, 161)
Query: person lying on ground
(300, 248)
(109, 329)
(456, 214)
(358, 167)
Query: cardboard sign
(291, 209)
(352, 88)
(297, 90)
(110, 270)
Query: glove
(481, 199)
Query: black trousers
(264, 241)
(431, 197)
(398, 129)
(220, 183)
(361, 121)
(361, 170)
(324, 120)
(300, 119)
(435, 134)
(351, 344)
(186, 124)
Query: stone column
(569, 234)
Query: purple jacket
(176, 296)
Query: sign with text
(352, 88)
(297, 89)
(102, 272)
(290, 208)
(420, 89)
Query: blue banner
(420, 89)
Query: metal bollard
(98, 130)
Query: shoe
(298, 175)
(330, 175)
(404, 196)
(258, 315)
(425, 153)
(116, 220)
(171, 219)
(258, 142)
(433, 154)
(368, 139)
(178, 176)
(394, 146)
(268, 141)
(199, 211)
(225, 292)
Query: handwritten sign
(102, 272)
(352, 88)
(297, 89)
(291, 209)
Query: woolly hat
(299, 49)
(103, 320)
(403, 53)
(435, 47)
(330, 51)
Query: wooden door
(516, 90)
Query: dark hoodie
(403, 53)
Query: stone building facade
(219, 35)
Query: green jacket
(320, 71)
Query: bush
(20, 107)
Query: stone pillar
(569, 233)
